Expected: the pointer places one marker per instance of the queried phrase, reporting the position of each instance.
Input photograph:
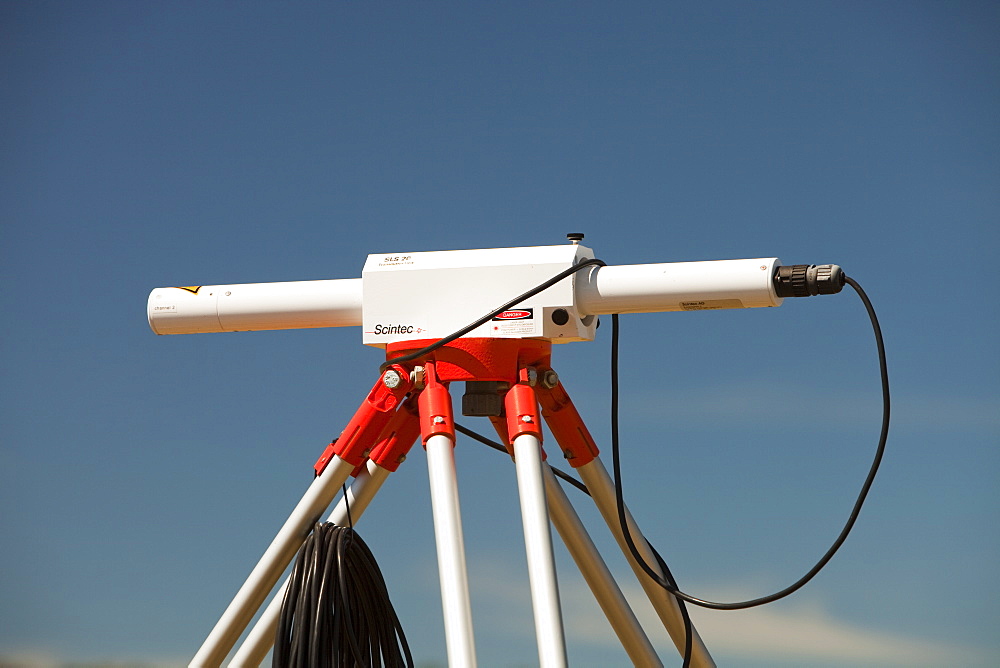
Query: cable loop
(855, 511)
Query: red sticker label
(514, 315)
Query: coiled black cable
(336, 612)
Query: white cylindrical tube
(452, 571)
(538, 545)
(255, 306)
(637, 288)
(677, 286)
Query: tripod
(404, 301)
(511, 381)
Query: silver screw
(438, 419)
(550, 379)
(525, 418)
(391, 379)
(417, 377)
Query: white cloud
(29, 659)
(800, 634)
(39, 658)
(804, 634)
(814, 635)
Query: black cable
(667, 581)
(497, 446)
(688, 626)
(336, 612)
(486, 318)
(855, 512)
(347, 505)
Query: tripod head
(427, 295)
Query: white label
(511, 327)
(711, 304)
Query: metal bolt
(391, 379)
(550, 379)
(532, 377)
(417, 377)
(526, 418)
(438, 419)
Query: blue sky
(153, 144)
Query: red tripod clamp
(398, 436)
(521, 408)
(564, 421)
(372, 417)
(436, 415)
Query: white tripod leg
(538, 543)
(261, 637)
(602, 489)
(267, 571)
(597, 575)
(451, 552)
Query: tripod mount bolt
(391, 379)
(550, 379)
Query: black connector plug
(805, 280)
